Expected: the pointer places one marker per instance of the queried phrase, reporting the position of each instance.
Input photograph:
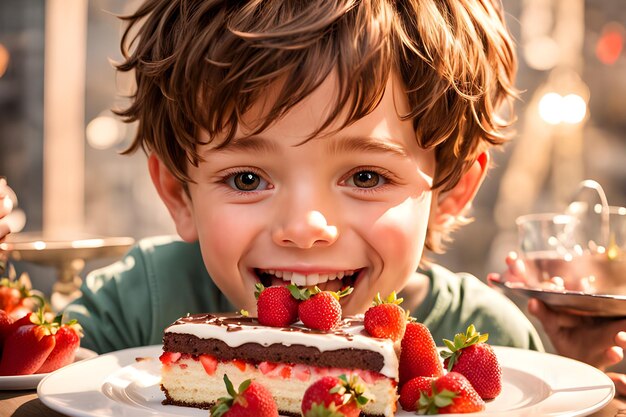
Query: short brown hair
(201, 64)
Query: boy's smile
(349, 207)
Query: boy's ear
(176, 199)
(453, 203)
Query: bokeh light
(103, 132)
(610, 44)
(574, 109)
(4, 59)
(555, 109)
(550, 108)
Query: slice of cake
(200, 349)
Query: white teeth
(298, 279)
(309, 280)
(312, 279)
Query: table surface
(26, 404)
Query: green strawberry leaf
(301, 294)
(259, 288)
(229, 387)
(430, 404)
(244, 385)
(444, 398)
(344, 292)
(221, 407)
(354, 389)
(450, 346)
(391, 299)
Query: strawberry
(320, 309)
(471, 356)
(386, 319)
(67, 342)
(451, 393)
(412, 390)
(276, 306)
(5, 327)
(23, 320)
(252, 400)
(10, 296)
(418, 354)
(17, 298)
(334, 396)
(26, 348)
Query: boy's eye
(366, 179)
(246, 181)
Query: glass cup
(548, 244)
(582, 255)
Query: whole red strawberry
(251, 400)
(450, 394)
(334, 396)
(276, 306)
(321, 309)
(418, 354)
(386, 319)
(26, 348)
(412, 391)
(471, 356)
(67, 342)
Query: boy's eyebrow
(366, 144)
(249, 144)
(345, 144)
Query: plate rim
(127, 357)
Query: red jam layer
(269, 369)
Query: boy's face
(352, 204)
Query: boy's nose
(310, 230)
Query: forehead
(383, 131)
(303, 121)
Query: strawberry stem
(461, 341)
(391, 299)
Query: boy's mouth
(330, 281)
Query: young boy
(316, 142)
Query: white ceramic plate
(117, 384)
(595, 305)
(21, 382)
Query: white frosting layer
(350, 335)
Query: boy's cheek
(402, 229)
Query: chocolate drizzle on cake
(234, 322)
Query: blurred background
(59, 141)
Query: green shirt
(132, 301)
